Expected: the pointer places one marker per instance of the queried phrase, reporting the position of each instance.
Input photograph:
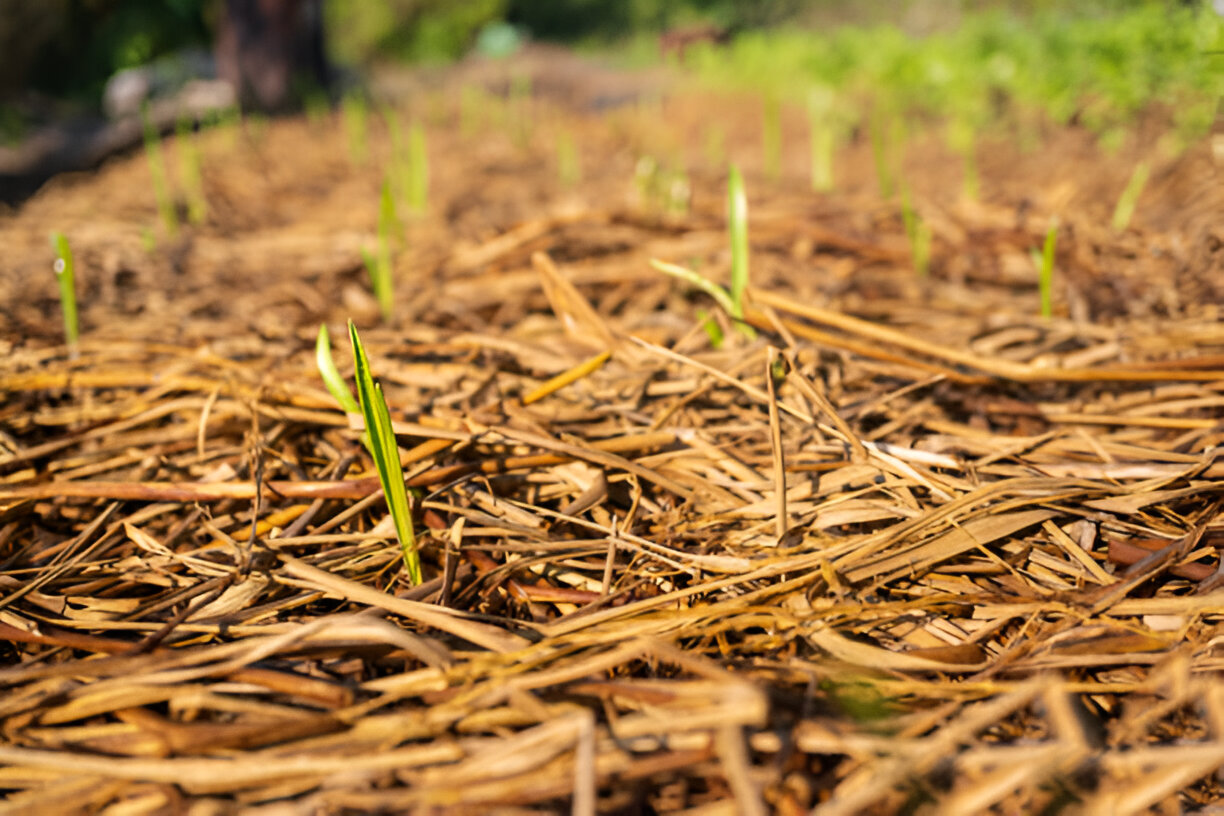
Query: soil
(990, 581)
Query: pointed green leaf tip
(386, 456)
(331, 376)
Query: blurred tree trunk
(271, 50)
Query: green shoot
(569, 166)
(879, 153)
(771, 137)
(355, 113)
(157, 169)
(662, 187)
(189, 171)
(331, 375)
(919, 234)
(380, 265)
(383, 448)
(1045, 280)
(737, 226)
(1130, 197)
(820, 106)
(720, 295)
(65, 272)
(711, 328)
(962, 139)
(418, 170)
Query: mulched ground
(911, 548)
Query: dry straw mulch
(910, 548)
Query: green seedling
(737, 228)
(379, 439)
(662, 187)
(380, 264)
(157, 170)
(710, 325)
(1130, 197)
(823, 136)
(718, 293)
(1045, 279)
(919, 234)
(356, 116)
(880, 155)
(336, 385)
(962, 139)
(771, 137)
(189, 172)
(65, 273)
(386, 456)
(418, 170)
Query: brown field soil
(910, 547)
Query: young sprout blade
(379, 264)
(1130, 197)
(386, 456)
(918, 232)
(418, 170)
(65, 272)
(189, 171)
(331, 375)
(1046, 278)
(820, 104)
(157, 169)
(704, 284)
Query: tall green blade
(386, 456)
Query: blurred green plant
(157, 172)
(1125, 210)
(190, 172)
(65, 274)
(380, 263)
(1045, 277)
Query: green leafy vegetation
(996, 67)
